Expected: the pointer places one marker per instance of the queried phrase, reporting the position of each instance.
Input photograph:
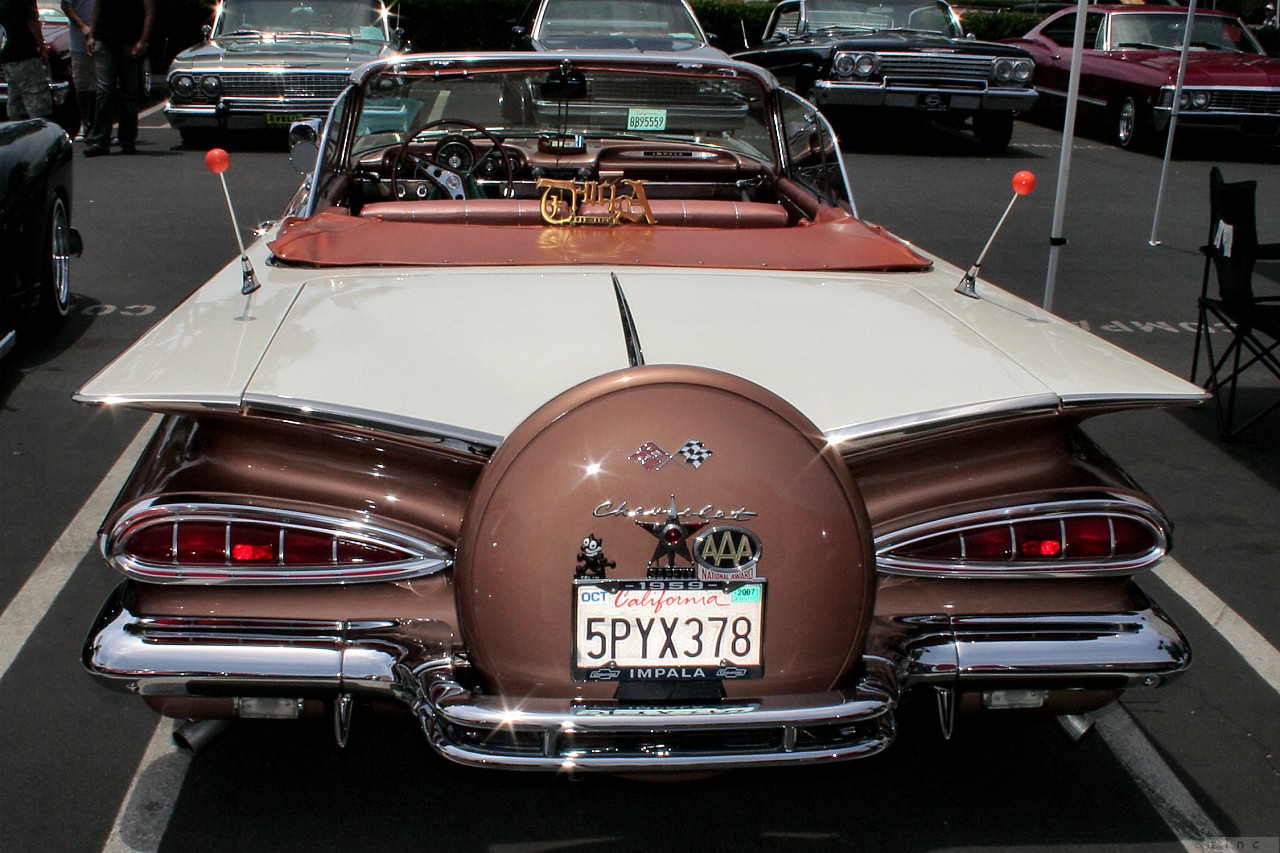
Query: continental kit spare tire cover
(587, 485)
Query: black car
(36, 237)
(901, 55)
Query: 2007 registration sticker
(667, 630)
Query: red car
(1130, 65)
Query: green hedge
(994, 26)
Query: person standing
(26, 60)
(118, 36)
(83, 75)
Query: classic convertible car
(268, 63)
(1129, 68)
(610, 438)
(902, 56)
(36, 237)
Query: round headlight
(866, 64)
(184, 85)
(1023, 69)
(211, 86)
(1199, 100)
(1003, 71)
(843, 65)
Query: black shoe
(128, 148)
(96, 151)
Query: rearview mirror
(566, 83)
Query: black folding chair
(1253, 322)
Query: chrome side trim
(856, 436)
(422, 557)
(888, 563)
(1131, 401)
(163, 402)
(860, 435)
(483, 443)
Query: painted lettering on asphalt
(1148, 326)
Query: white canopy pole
(1056, 241)
(1173, 119)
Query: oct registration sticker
(638, 119)
(667, 630)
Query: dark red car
(1130, 66)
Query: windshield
(556, 101)
(907, 14)
(1154, 30)
(666, 19)
(355, 19)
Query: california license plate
(667, 630)
(274, 119)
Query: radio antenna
(1023, 183)
(218, 161)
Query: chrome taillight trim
(889, 563)
(421, 556)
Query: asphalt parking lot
(87, 770)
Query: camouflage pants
(29, 95)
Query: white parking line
(32, 602)
(1242, 636)
(144, 814)
(1161, 786)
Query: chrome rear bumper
(413, 661)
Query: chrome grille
(927, 65)
(1265, 101)
(650, 90)
(289, 84)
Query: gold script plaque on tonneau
(594, 202)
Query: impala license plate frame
(667, 630)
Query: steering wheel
(450, 176)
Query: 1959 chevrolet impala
(573, 409)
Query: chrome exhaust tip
(1075, 726)
(194, 735)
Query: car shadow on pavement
(914, 136)
(1189, 143)
(289, 787)
(238, 140)
(37, 348)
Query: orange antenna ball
(1023, 182)
(218, 160)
